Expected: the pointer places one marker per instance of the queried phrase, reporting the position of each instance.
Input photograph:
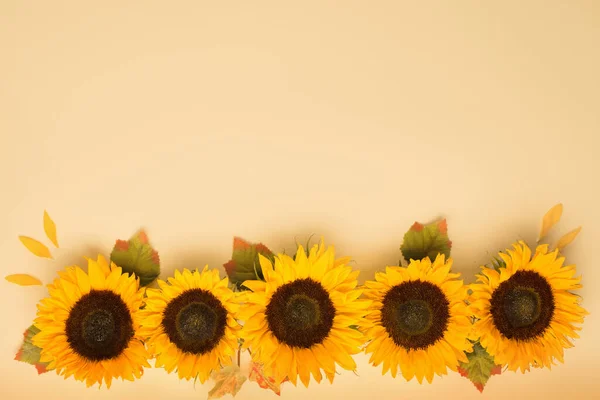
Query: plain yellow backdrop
(276, 120)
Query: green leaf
(498, 263)
(137, 256)
(244, 264)
(426, 241)
(306, 248)
(480, 367)
(228, 380)
(29, 353)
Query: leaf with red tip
(266, 382)
(244, 264)
(480, 367)
(417, 227)
(29, 353)
(426, 241)
(121, 245)
(137, 256)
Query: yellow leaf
(35, 247)
(228, 380)
(550, 219)
(50, 229)
(568, 238)
(23, 280)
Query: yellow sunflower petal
(190, 300)
(568, 238)
(23, 280)
(415, 294)
(294, 292)
(66, 301)
(35, 247)
(50, 229)
(542, 275)
(255, 286)
(550, 219)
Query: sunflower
(526, 311)
(420, 321)
(89, 324)
(191, 323)
(302, 319)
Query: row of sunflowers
(304, 316)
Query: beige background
(350, 119)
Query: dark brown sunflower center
(303, 311)
(99, 326)
(195, 321)
(414, 317)
(300, 313)
(522, 306)
(415, 314)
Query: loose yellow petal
(23, 280)
(35, 247)
(567, 239)
(550, 219)
(50, 229)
